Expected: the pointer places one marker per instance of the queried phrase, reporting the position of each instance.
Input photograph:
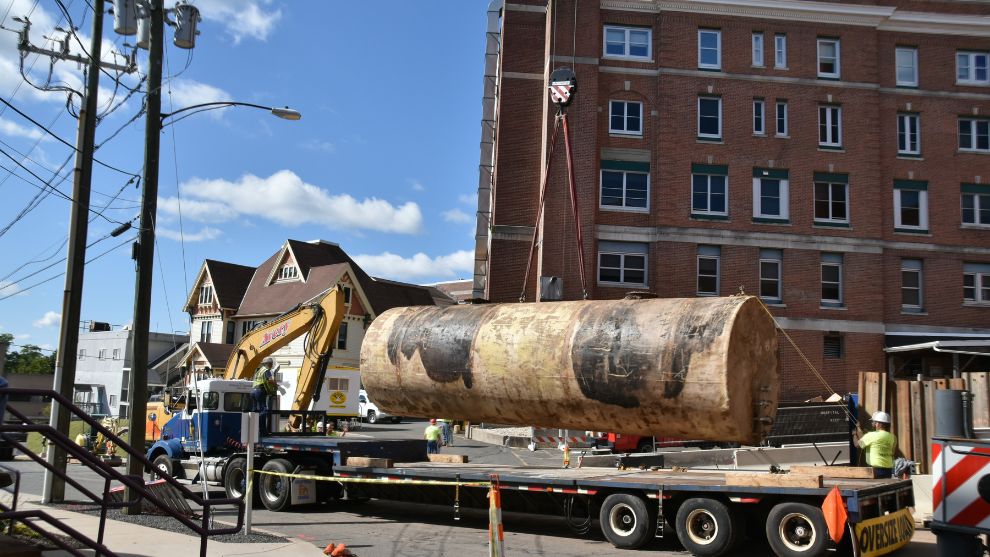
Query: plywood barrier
(774, 480)
(369, 462)
(854, 472)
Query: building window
(910, 206)
(976, 204)
(831, 279)
(759, 117)
(625, 117)
(113, 400)
(831, 199)
(125, 386)
(906, 60)
(82, 353)
(628, 42)
(832, 346)
(710, 117)
(781, 130)
(102, 354)
(342, 336)
(780, 51)
(708, 258)
(347, 294)
(622, 263)
(287, 272)
(758, 50)
(828, 58)
(230, 332)
(206, 295)
(908, 134)
(770, 195)
(911, 281)
(625, 185)
(972, 68)
(116, 353)
(771, 267)
(710, 190)
(206, 331)
(976, 282)
(830, 126)
(247, 326)
(710, 49)
(974, 134)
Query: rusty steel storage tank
(694, 368)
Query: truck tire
(372, 417)
(235, 481)
(274, 490)
(797, 530)
(706, 527)
(161, 466)
(645, 446)
(625, 520)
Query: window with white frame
(973, 68)
(102, 354)
(709, 49)
(206, 295)
(229, 336)
(976, 204)
(710, 190)
(910, 206)
(287, 272)
(710, 117)
(906, 62)
(627, 42)
(770, 195)
(116, 353)
(771, 275)
(758, 49)
(828, 58)
(911, 285)
(625, 185)
(347, 294)
(342, 336)
(830, 126)
(759, 117)
(206, 331)
(831, 264)
(781, 130)
(708, 269)
(622, 263)
(908, 134)
(113, 400)
(780, 51)
(831, 199)
(247, 326)
(976, 282)
(625, 117)
(974, 134)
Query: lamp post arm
(284, 113)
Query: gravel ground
(168, 523)
(514, 431)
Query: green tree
(30, 360)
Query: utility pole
(145, 253)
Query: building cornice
(883, 18)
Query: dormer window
(347, 294)
(206, 295)
(287, 272)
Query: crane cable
(539, 211)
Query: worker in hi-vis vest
(880, 445)
(263, 388)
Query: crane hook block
(563, 86)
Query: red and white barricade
(961, 483)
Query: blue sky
(383, 162)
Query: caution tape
(343, 479)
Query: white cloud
(242, 18)
(13, 129)
(456, 215)
(317, 145)
(22, 336)
(188, 92)
(8, 288)
(286, 199)
(467, 199)
(419, 266)
(205, 233)
(416, 185)
(50, 318)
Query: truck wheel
(161, 466)
(797, 530)
(372, 417)
(645, 446)
(707, 527)
(235, 481)
(274, 490)
(625, 521)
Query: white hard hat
(881, 417)
(268, 360)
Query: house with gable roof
(298, 273)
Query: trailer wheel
(275, 489)
(161, 466)
(625, 521)
(707, 527)
(797, 530)
(235, 481)
(372, 417)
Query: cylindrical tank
(696, 368)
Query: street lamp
(284, 113)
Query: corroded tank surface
(696, 368)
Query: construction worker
(433, 434)
(880, 445)
(446, 425)
(263, 388)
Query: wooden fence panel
(902, 418)
(919, 444)
(979, 385)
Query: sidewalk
(126, 539)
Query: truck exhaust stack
(696, 368)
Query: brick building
(833, 158)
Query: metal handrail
(23, 516)
(106, 471)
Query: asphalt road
(382, 528)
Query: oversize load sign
(879, 536)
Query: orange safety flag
(834, 509)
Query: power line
(12, 282)
(51, 278)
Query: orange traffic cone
(328, 549)
(341, 551)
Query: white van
(369, 412)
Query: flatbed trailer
(710, 511)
